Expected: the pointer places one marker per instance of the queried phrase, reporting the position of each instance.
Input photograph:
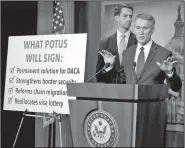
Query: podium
(117, 115)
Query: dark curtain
(17, 19)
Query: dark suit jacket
(110, 44)
(151, 117)
(151, 73)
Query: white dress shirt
(146, 50)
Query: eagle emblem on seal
(101, 129)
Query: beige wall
(93, 37)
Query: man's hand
(167, 65)
(108, 56)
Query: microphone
(134, 65)
(133, 72)
(105, 66)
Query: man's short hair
(145, 16)
(118, 8)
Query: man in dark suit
(115, 45)
(154, 65)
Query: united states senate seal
(101, 129)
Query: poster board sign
(38, 68)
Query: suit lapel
(114, 50)
(133, 51)
(132, 40)
(150, 57)
(129, 59)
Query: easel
(56, 116)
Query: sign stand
(57, 117)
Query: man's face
(125, 18)
(143, 30)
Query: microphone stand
(106, 66)
(134, 113)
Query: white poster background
(37, 97)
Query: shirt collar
(127, 34)
(147, 46)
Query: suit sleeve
(174, 82)
(103, 76)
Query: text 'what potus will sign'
(37, 79)
(47, 44)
